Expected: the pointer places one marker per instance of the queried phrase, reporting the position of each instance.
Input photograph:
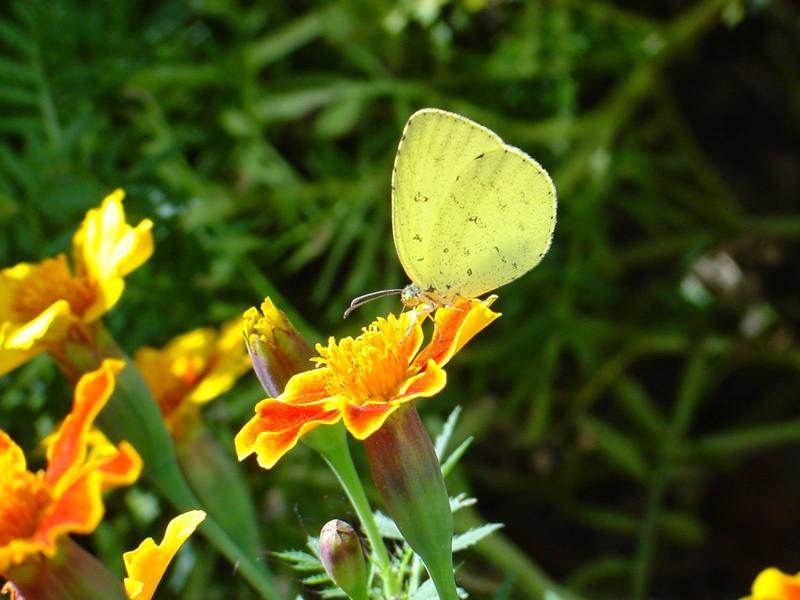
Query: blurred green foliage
(636, 408)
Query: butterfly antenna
(362, 300)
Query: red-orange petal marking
(278, 426)
(121, 468)
(91, 395)
(454, 327)
(77, 510)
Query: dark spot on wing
(446, 250)
(420, 197)
(481, 155)
(417, 237)
(478, 221)
(469, 272)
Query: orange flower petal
(121, 468)
(91, 394)
(77, 510)
(363, 421)
(455, 326)
(79, 506)
(278, 426)
(428, 383)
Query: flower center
(372, 366)
(24, 498)
(48, 282)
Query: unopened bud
(277, 350)
(343, 558)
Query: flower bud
(408, 477)
(277, 350)
(343, 558)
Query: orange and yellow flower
(772, 584)
(146, 565)
(37, 508)
(363, 380)
(192, 369)
(42, 304)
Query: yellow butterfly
(469, 212)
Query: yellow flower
(192, 369)
(43, 304)
(772, 584)
(146, 565)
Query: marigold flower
(192, 369)
(37, 508)
(772, 584)
(363, 380)
(146, 565)
(42, 304)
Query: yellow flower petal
(230, 362)
(195, 367)
(106, 248)
(772, 584)
(146, 565)
(21, 342)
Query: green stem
(337, 454)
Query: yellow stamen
(24, 498)
(372, 366)
(48, 282)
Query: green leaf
(461, 501)
(386, 527)
(473, 536)
(453, 459)
(443, 439)
(425, 592)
